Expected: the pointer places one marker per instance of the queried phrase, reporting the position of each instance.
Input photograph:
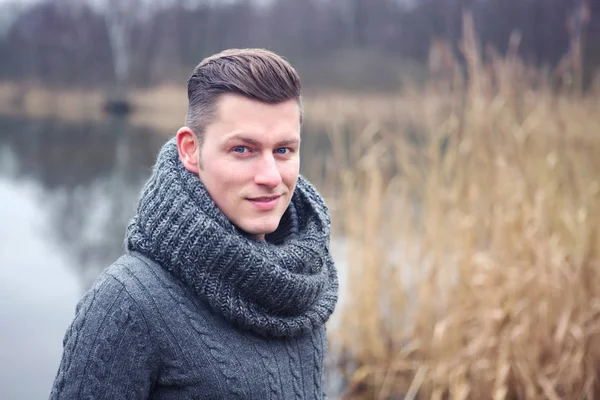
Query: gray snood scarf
(283, 287)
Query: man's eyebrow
(244, 139)
(287, 142)
(254, 142)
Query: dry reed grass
(473, 252)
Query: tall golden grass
(473, 262)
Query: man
(227, 281)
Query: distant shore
(162, 108)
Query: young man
(227, 281)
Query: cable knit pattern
(318, 347)
(108, 334)
(71, 339)
(270, 364)
(296, 373)
(198, 310)
(101, 361)
(224, 358)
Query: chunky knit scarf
(284, 286)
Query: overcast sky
(20, 2)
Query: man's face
(250, 161)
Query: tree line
(351, 43)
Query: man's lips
(264, 198)
(265, 203)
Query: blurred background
(456, 141)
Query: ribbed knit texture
(197, 310)
(284, 288)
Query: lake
(67, 191)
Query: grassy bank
(162, 108)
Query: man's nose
(268, 173)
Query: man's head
(242, 135)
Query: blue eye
(283, 150)
(240, 149)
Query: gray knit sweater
(196, 309)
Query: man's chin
(261, 228)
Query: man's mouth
(264, 199)
(265, 203)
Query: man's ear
(189, 149)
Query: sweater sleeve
(107, 351)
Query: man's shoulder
(132, 269)
(147, 285)
(141, 277)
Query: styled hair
(255, 73)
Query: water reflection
(37, 296)
(90, 176)
(67, 192)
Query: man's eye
(240, 149)
(283, 150)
